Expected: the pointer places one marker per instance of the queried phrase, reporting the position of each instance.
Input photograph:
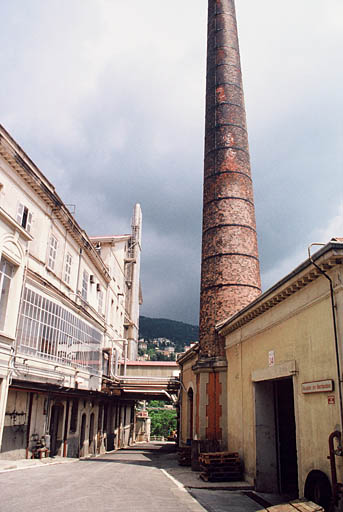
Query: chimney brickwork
(230, 275)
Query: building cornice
(34, 178)
(190, 354)
(326, 258)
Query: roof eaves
(280, 291)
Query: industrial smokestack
(230, 275)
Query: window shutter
(20, 212)
(29, 222)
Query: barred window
(50, 331)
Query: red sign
(142, 414)
(331, 399)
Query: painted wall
(298, 333)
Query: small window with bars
(52, 252)
(24, 217)
(67, 268)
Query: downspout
(65, 440)
(125, 356)
(336, 486)
(335, 333)
(78, 272)
(29, 425)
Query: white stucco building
(69, 312)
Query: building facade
(284, 355)
(69, 315)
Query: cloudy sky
(107, 98)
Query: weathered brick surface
(230, 276)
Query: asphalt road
(130, 480)
(143, 478)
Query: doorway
(83, 434)
(55, 430)
(190, 413)
(91, 435)
(276, 452)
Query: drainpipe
(116, 363)
(125, 356)
(338, 365)
(78, 272)
(65, 440)
(29, 425)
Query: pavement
(145, 477)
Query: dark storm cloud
(108, 100)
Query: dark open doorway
(55, 429)
(190, 413)
(276, 453)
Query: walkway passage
(143, 478)
(130, 480)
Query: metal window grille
(49, 331)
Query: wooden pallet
(220, 466)
(208, 457)
(295, 506)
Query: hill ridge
(178, 332)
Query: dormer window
(24, 217)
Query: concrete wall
(153, 368)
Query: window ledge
(4, 337)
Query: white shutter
(29, 222)
(20, 212)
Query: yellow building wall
(299, 329)
(188, 381)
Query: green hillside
(179, 333)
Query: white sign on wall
(271, 358)
(318, 386)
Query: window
(6, 274)
(85, 278)
(24, 217)
(67, 269)
(100, 301)
(52, 252)
(49, 331)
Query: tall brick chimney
(230, 275)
